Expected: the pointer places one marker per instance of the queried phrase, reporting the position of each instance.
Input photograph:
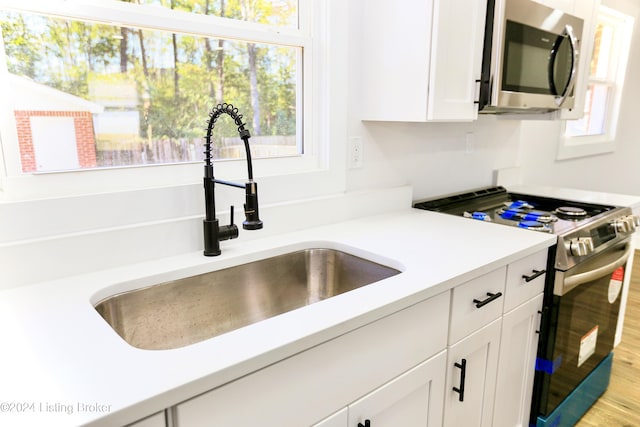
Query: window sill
(576, 147)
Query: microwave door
(563, 63)
(523, 75)
(526, 58)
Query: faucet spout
(213, 232)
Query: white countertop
(59, 356)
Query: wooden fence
(192, 150)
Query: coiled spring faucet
(213, 232)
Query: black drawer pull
(492, 297)
(535, 275)
(367, 423)
(463, 372)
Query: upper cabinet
(421, 59)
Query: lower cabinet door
(517, 361)
(414, 399)
(157, 420)
(339, 419)
(471, 378)
(310, 386)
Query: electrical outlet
(470, 143)
(355, 152)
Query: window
(137, 95)
(595, 132)
(282, 13)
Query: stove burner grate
(571, 212)
(534, 225)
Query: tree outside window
(136, 95)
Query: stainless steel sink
(185, 311)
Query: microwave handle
(579, 279)
(568, 31)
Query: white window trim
(319, 171)
(590, 145)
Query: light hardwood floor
(619, 406)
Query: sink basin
(185, 311)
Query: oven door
(582, 324)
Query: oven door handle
(579, 279)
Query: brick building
(54, 129)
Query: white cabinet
(471, 378)
(492, 345)
(525, 279)
(156, 420)
(476, 303)
(339, 419)
(413, 399)
(310, 386)
(518, 345)
(421, 59)
(474, 342)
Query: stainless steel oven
(585, 273)
(579, 326)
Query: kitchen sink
(189, 310)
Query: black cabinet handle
(463, 372)
(539, 323)
(367, 423)
(492, 297)
(536, 274)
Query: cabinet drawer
(476, 303)
(311, 385)
(525, 279)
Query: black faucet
(214, 233)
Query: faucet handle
(230, 231)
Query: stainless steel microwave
(530, 58)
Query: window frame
(317, 160)
(588, 145)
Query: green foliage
(21, 45)
(174, 92)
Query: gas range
(583, 229)
(584, 275)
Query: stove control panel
(581, 246)
(626, 224)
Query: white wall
(618, 171)
(434, 158)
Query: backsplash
(168, 223)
